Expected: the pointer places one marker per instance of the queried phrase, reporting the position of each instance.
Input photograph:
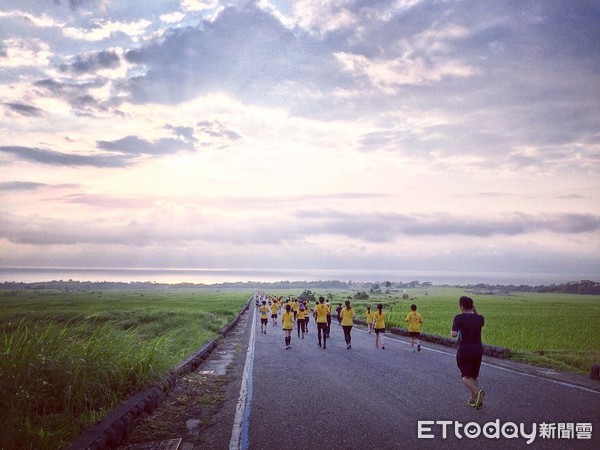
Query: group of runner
(466, 327)
(296, 314)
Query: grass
(558, 331)
(70, 357)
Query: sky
(345, 134)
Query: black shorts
(415, 334)
(469, 362)
(273, 316)
(264, 321)
(379, 330)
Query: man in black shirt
(467, 327)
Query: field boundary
(114, 428)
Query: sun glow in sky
(409, 135)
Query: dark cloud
(376, 228)
(92, 62)
(77, 94)
(244, 51)
(55, 158)
(20, 186)
(184, 133)
(134, 145)
(25, 110)
(32, 186)
(380, 227)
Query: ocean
(216, 276)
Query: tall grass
(67, 359)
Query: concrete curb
(489, 350)
(117, 424)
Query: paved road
(310, 398)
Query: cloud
(24, 110)
(51, 157)
(244, 51)
(377, 228)
(20, 186)
(19, 53)
(33, 186)
(218, 130)
(79, 94)
(100, 29)
(184, 133)
(388, 75)
(134, 145)
(385, 227)
(92, 62)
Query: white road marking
(236, 442)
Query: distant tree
(361, 295)
(404, 296)
(329, 296)
(375, 288)
(307, 295)
(387, 286)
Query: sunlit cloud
(25, 53)
(103, 29)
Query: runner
(300, 315)
(467, 327)
(347, 315)
(264, 317)
(295, 308)
(306, 316)
(328, 318)
(287, 323)
(369, 319)
(379, 318)
(414, 320)
(321, 311)
(274, 311)
(339, 315)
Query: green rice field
(70, 357)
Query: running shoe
(472, 403)
(479, 401)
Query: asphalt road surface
(367, 398)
